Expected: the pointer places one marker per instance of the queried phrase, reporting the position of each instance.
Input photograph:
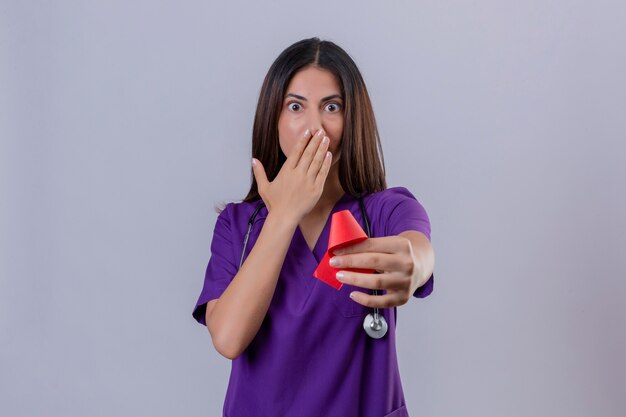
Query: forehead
(314, 82)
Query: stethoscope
(374, 324)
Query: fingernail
(352, 295)
(325, 140)
(306, 133)
(340, 275)
(321, 132)
(253, 162)
(333, 261)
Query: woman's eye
(294, 106)
(333, 107)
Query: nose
(316, 128)
(315, 122)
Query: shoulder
(231, 225)
(398, 209)
(238, 213)
(391, 197)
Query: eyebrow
(323, 99)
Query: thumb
(259, 173)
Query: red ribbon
(344, 231)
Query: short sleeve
(221, 268)
(403, 212)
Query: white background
(122, 124)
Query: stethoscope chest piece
(375, 325)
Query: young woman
(300, 347)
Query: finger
(388, 300)
(309, 151)
(385, 244)
(318, 159)
(296, 153)
(371, 260)
(323, 172)
(384, 281)
(259, 174)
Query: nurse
(297, 345)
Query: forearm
(241, 308)
(426, 256)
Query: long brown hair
(361, 165)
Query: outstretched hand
(393, 257)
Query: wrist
(283, 218)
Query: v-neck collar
(322, 240)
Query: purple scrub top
(311, 356)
